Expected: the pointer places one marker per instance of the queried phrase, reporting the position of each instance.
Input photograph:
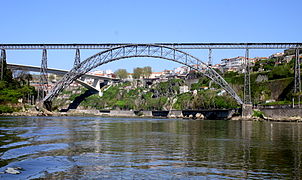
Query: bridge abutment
(247, 110)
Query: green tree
(147, 71)
(121, 73)
(137, 73)
(7, 74)
(269, 64)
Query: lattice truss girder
(297, 83)
(43, 75)
(173, 45)
(140, 50)
(77, 59)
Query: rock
(180, 116)
(191, 116)
(199, 116)
(172, 116)
(236, 118)
(10, 170)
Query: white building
(233, 64)
(104, 73)
(276, 55)
(155, 75)
(181, 70)
(183, 89)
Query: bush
(6, 109)
(257, 113)
(279, 72)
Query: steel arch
(138, 50)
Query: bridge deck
(174, 45)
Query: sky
(139, 21)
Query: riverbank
(185, 114)
(232, 114)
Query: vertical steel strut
(210, 58)
(247, 80)
(43, 76)
(77, 59)
(2, 61)
(297, 83)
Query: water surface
(124, 148)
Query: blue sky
(121, 21)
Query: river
(126, 148)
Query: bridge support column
(297, 85)
(43, 76)
(210, 58)
(247, 110)
(247, 99)
(3, 60)
(77, 59)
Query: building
(233, 64)
(276, 55)
(236, 63)
(182, 70)
(183, 89)
(104, 73)
(155, 75)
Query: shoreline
(87, 114)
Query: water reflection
(81, 147)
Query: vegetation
(160, 96)
(121, 73)
(14, 91)
(257, 113)
(202, 82)
(144, 72)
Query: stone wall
(281, 112)
(122, 113)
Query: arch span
(138, 50)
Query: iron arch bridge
(137, 50)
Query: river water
(125, 148)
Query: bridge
(56, 71)
(95, 86)
(168, 51)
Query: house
(183, 89)
(233, 64)
(236, 63)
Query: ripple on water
(124, 148)
(31, 150)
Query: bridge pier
(3, 60)
(43, 88)
(247, 110)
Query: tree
(144, 72)
(7, 73)
(23, 77)
(147, 71)
(137, 73)
(121, 73)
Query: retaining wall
(281, 112)
(122, 113)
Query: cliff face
(265, 90)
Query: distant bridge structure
(169, 51)
(95, 86)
